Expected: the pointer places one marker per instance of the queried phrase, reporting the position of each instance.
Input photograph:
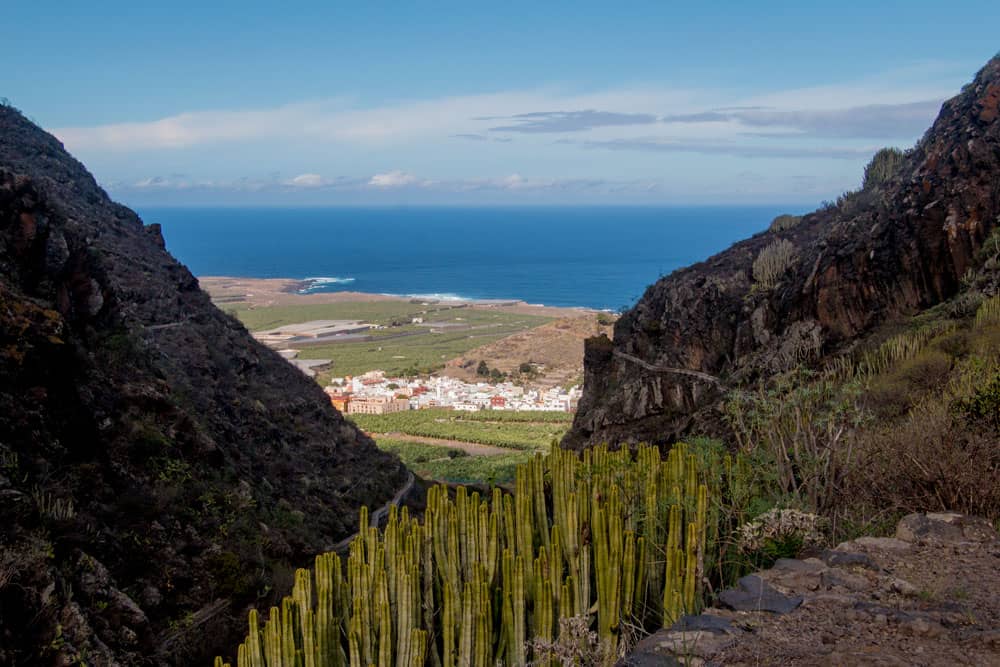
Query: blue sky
(380, 103)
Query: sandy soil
(556, 346)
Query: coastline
(267, 292)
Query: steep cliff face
(159, 469)
(890, 250)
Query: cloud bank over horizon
(639, 144)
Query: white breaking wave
(445, 296)
(317, 282)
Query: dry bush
(577, 646)
(892, 394)
(772, 262)
(802, 429)
(930, 461)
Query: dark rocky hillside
(901, 244)
(159, 469)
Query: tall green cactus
(607, 536)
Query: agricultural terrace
(435, 443)
(453, 465)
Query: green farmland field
(377, 312)
(433, 462)
(448, 331)
(468, 427)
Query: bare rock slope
(159, 469)
(924, 597)
(898, 246)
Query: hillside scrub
(908, 424)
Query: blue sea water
(600, 257)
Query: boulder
(755, 594)
(945, 527)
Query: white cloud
(384, 181)
(514, 181)
(308, 181)
(520, 142)
(392, 179)
(608, 114)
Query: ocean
(598, 257)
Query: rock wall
(159, 469)
(887, 251)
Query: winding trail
(377, 515)
(667, 369)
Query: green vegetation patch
(529, 416)
(378, 312)
(407, 355)
(402, 348)
(466, 427)
(447, 464)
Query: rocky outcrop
(159, 469)
(896, 247)
(926, 596)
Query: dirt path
(925, 597)
(377, 515)
(470, 448)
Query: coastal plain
(427, 335)
(422, 334)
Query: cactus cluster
(899, 348)
(611, 537)
(988, 312)
(883, 166)
(772, 263)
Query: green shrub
(983, 407)
(990, 250)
